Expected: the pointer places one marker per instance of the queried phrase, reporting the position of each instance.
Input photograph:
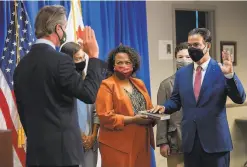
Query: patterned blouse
(138, 104)
(137, 99)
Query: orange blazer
(112, 104)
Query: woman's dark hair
(70, 48)
(133, 56)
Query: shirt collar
(203, 65)
(45, 41)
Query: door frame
(210, 22)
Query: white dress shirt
(45, 41)
(204, 67)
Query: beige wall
(230, 25)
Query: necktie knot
(199, 69)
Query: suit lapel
(124, 97)
(208, 79)
(190, 84)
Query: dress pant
(90, 158)
(199, 158)
(175, 160)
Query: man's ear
(209, 46)
(57, 27)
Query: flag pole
(17, 34)
(80, 8)
(20, 131)
(74, 19)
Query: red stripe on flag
(6, 113)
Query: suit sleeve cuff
(98, 65)
(229, 76)
(160, 142)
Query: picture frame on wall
(230, 46)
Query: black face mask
(80, 66)
(196, 54)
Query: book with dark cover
(155, 116)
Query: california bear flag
(74, 26)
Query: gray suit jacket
(169, 131)
(94, 120)
(91, 156)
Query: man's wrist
(164, 144)
(93, 55)
(163, 108)
(229, 75)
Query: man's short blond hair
(47, 19)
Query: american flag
(19, 39)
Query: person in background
(125, 136)
(88, 119)
(169, 136)
(201, 89)
(45, 85)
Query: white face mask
(182, 62)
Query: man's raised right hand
(89, 43)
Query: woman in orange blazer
(125, 136)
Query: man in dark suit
(169, 137)
(46, 83)
(201, 89)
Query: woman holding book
(125, 136)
